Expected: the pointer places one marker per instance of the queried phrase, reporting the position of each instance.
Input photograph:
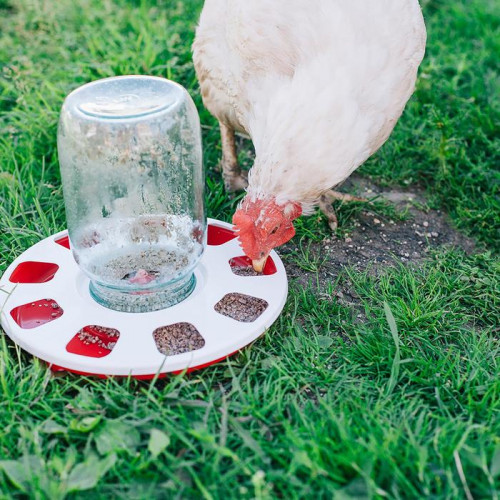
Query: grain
(102, 336)
(240, 307)
(177, 339)
(156, 262)
(245, 271)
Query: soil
(240, 307)
(178, 339)
(377, 242)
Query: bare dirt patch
(376, 241)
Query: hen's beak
(259, 264)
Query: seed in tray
(240, 307)
(177, 339)
(102, 336)
(93, 341)
(245, 271)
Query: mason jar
(131, 166)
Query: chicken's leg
(325, 205)
(235, 179)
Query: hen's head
(263, 225)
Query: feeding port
(139, 284)
(49, 311)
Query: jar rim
(119, 101)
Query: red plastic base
(58, 369)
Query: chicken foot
(235, 179)
(325, 205)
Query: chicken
(317, 85)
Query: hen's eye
(274, 230)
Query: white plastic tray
(135, 352)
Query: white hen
(318, 85)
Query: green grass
(448, 139)
(399, 401)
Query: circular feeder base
(47, 309)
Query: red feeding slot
(93, 341)
(217, 235)
(33, 272)
(36, 313)
(242, 266)
(63, 241)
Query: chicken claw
(325, 205)
(235, 181)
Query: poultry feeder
(140, 284)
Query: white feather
(318, 85)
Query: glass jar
(131, 166)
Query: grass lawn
(398, 403)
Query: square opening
(241, 307)
(217, 235)
(242, 266)
(37, 313)
(33, 272)
(178, 339)
(94, 341)
(63, 241)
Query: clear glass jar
(131, 165)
